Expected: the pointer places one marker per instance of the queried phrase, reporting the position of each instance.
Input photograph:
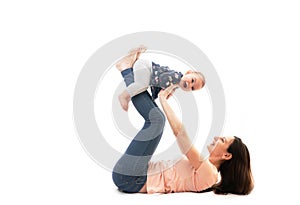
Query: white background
(254, 46)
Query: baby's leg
(142, 73)
(125, 66)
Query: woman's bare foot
(126, 62)
(138, 50)
(124, 99)
(129, 60)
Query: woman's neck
(216, 162)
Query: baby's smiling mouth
(185, 85)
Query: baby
(147, 73)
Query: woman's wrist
(162, 100)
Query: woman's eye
(193, 81)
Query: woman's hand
(168, 92)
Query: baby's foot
(124, 99)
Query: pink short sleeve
(206, 175)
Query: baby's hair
(201, 75)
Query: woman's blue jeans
(130, 172)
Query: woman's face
(218, 147)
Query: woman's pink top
(163, 177)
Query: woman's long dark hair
(236, 175)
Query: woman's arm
(179, 131)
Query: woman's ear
(227, 156)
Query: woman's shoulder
(207, 166)
(206, 175)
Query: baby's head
(192, 80)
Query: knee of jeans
(158, 118)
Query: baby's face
(190, 82)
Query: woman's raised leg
(130, 172)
